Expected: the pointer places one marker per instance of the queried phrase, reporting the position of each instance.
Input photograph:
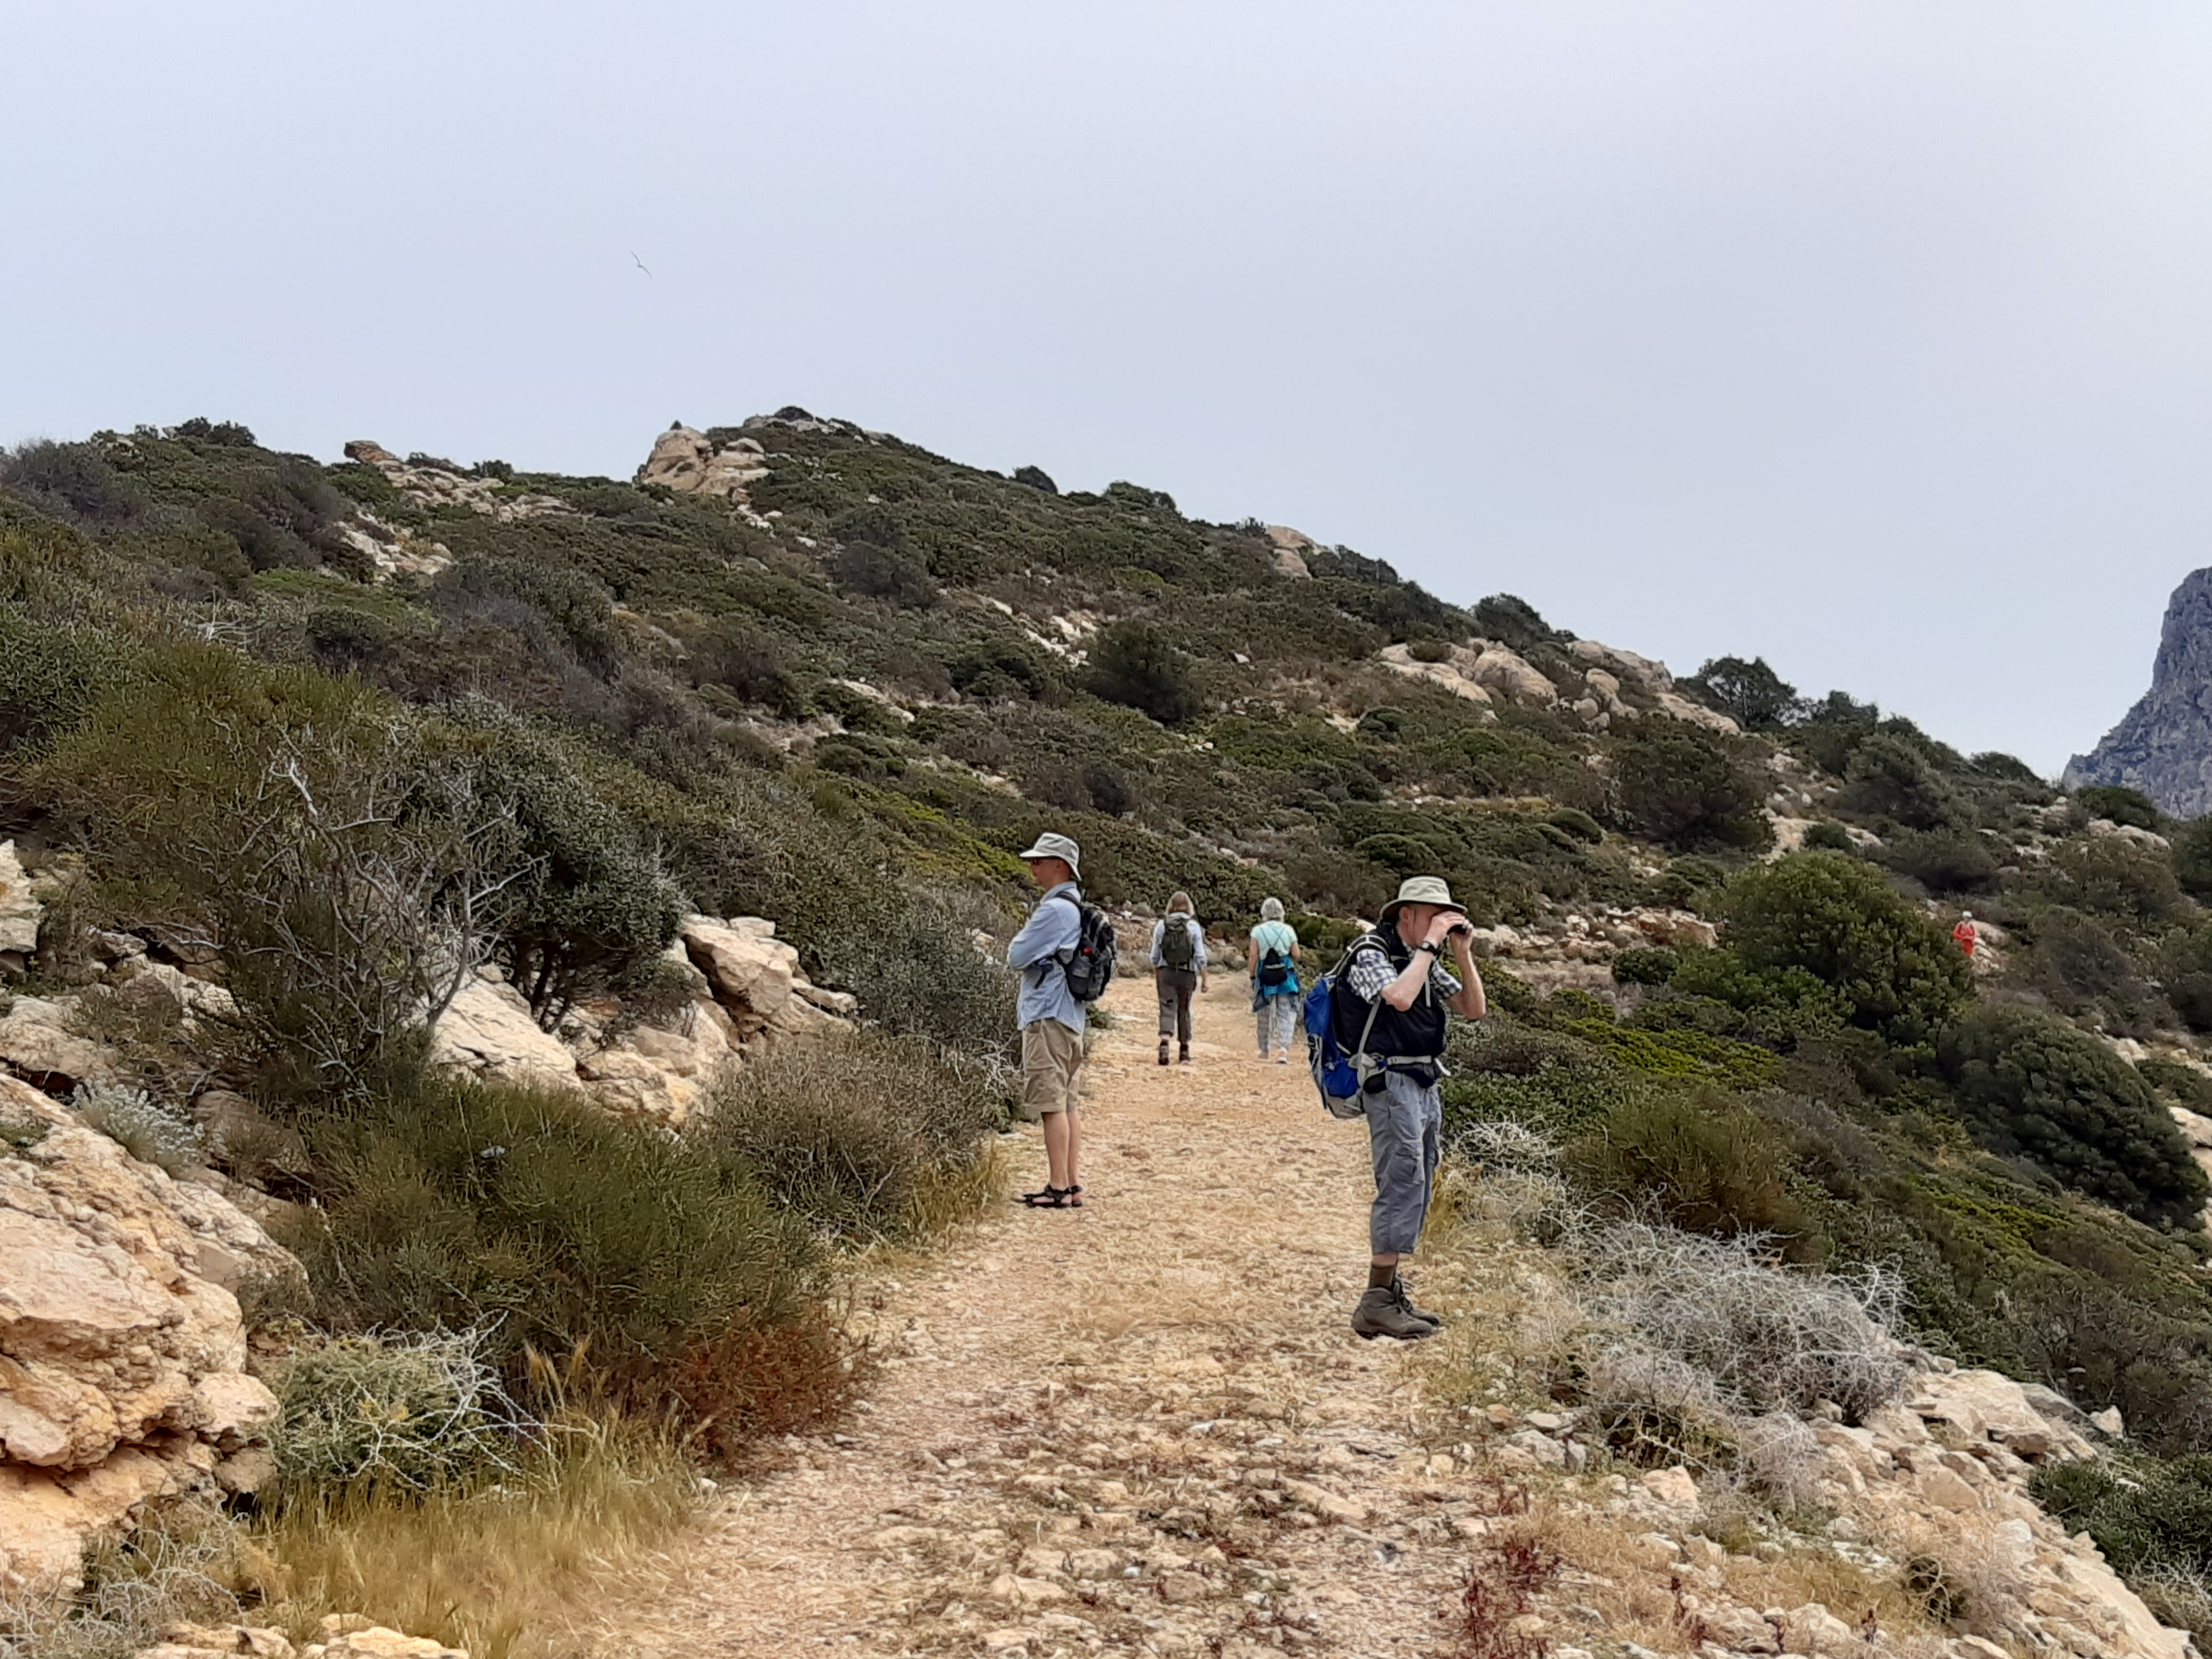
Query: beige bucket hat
(1051, 845)
(1418, 890)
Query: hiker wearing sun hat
(1400, 996)
(1051, 1013)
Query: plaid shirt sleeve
(1370, 971)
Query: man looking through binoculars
(1401, 995)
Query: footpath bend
(1143, 1426)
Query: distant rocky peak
(2163, 746)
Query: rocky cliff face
(2164, 745)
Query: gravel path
(1144, 1426)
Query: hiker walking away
(1966, 935)
(1178, 970)
(1402, 995)
(1052, 1018)
(1275, 958)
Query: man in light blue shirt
(1051, 1018)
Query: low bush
(2031, 1087)
(151, 1131)
(420, 1412)
(2108, 876)
(865, 1137)
(1828, 835)
(1891, 777)
(1706, 1350)
(1943, 860)
(2152, 1519)
(661, 1260)
(1697, 1160)
(2119, 803)
(1136, 664)
(1652, 964)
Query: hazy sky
(1871, 337)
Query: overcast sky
(1869, 338)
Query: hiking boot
(1434, 1322)
(1380, 1314)
(1163, 1051)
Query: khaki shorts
(1051, 1069)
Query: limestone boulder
(122, 1351)
(39, 1045)
(1507, 674)
(488, 1030)
(751, 973)
(21, 911)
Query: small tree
(1136, 664)
(1752, 695)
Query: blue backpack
(1336, 1074)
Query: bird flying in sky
(639, 263)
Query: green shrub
(50, 676)
(562, 1230)
(1892, 778)
(1577, 823)
(2120, 805)
(1828, 835)
(1506, 1070)
(1136, 664)
(1698, 1159)
(2192, 858)
(2031, 1087)
(2151, 1518)
(1512, 620)
(1943, 861)
(419, 1411)
(859, 1136)
(2108, 876)
(1645, 965)
(1896, 971)
(917, 973)
(1688, 789)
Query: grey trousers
(1405, 1132)
(1175, 987)
(1276, 1018)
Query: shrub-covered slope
(819, 674)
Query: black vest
(1419, 1032)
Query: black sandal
(1055, 1198)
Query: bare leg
(1063, 1148)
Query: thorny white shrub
(1707, 1349)
(151, 1131)
(169, 1569)
(1518, 1180)
(422, 1410)
(1770, 1335)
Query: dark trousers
(1175, 987)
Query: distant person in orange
(1966, 934)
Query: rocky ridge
(2163, 745)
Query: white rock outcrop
(685, 459)
(122, 1352)
(749, 994)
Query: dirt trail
(1143, 1426)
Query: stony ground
(1141, 1426)
(1145, 1426)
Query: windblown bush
(2031, 1087)
(1697, 1160)
(1689, 790)
(337, 857)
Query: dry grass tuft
(521, 1568)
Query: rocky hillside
(503, 884)
(2163, 745)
